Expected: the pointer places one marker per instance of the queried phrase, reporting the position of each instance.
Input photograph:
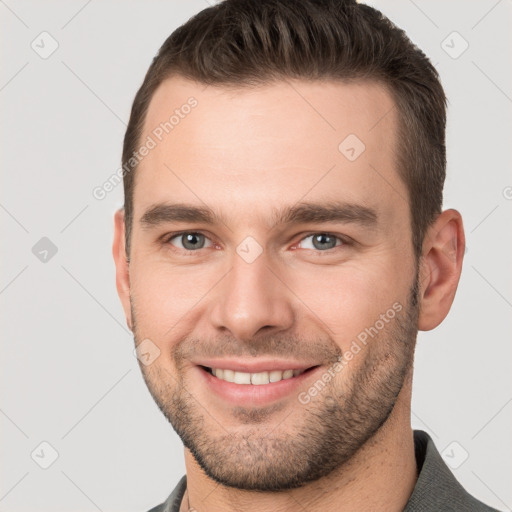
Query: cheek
(345, 301)
(340, 301)
(163, 296)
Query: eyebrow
(301, 213)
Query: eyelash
(345, 241)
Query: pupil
(191, 240)
(323, 239)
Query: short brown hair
(252, 42)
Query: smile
(256, 379)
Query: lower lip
(255, 395)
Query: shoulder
(437, 488)
(173, 502)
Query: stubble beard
(332, 430)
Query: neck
(381, 476)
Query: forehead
(251, 149)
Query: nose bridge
(251, 298)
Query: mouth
(256, 378)
(256, 389)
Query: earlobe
(122, 265)
(440, 268)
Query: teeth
(242, 378)
(259, 378)
(275, 376)
(256, 379)
(287, 374)
(229, 375)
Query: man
(281, 243)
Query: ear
(122, 265)
(440, 268)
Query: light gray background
(68, 373)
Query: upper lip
(261, 365)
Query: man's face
(258, 290)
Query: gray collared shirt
(436, 489)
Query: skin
(244, 153)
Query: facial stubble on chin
(332, 429)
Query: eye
(321, 242)
(189, 241)
(192, 241)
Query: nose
(252, 298)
